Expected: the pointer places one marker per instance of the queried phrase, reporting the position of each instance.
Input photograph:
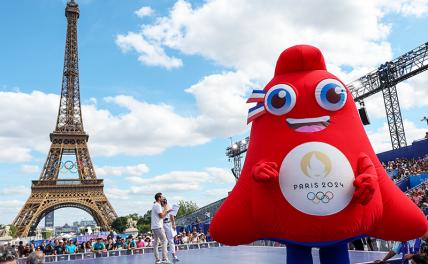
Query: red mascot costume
(311, 177)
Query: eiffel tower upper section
(70, 115)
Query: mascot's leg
(299, 255)
(337, 254)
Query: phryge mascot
(311, 177)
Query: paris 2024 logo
(317, 179)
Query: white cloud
(9, 209)
(144, 129)
(375, 106)
(246, 37)
(136, 170)
(221, 105)
(217, 194)
(27, 119)
(149, 53)
(215, 30)
(144, 11)
(15, 190)
(180, 181)
(414, 93)
(29, 168)
(117, 194)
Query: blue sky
(163, 84)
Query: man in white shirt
(158, 213)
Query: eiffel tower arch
(68, 155)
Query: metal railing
(121, 252)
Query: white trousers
(170, 234)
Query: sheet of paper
(175, 208)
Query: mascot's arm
(265, 171)
(366, 182)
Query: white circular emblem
(316, 179)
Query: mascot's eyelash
(257, 96)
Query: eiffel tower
(68, 156)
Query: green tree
(12, 231)
(186, 207)
(46, 234)
(143, 224)
(134, 216)
(120, 224)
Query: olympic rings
(66, 167)
(320, 197)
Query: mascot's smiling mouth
(313, 124)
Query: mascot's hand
(366, 181)
(265, 171)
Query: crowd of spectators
(402, 167)
(99, 245)
(419, 195)
(187, 237)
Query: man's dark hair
(419, 259)
(157, 196)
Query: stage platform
(224, 254)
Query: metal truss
(385, 79)
(235, 152)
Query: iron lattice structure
(385, 79)
(68, 154)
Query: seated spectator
(70, 248)
(140, 242)
(130, 243)
(202, 238)
(21, 249)
(110, 244)
(88, 246)
(186, 238)
(99, 246)
(177, 240)
(59, 247)
(8, 258)
(36, 257)
(195, 236)
(49, 250)
(43, 246)
(147, 241)
(27, 250)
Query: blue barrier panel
(417, 149)
(418, 179)
(404, 184)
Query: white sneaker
(175, 259)
(166, 261)
(158, 262)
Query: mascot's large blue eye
(330, 94)
(280, 99)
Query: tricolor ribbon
(257, 96)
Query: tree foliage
(46, 234)
(120, 224)
(12, 231)
(186, 207)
